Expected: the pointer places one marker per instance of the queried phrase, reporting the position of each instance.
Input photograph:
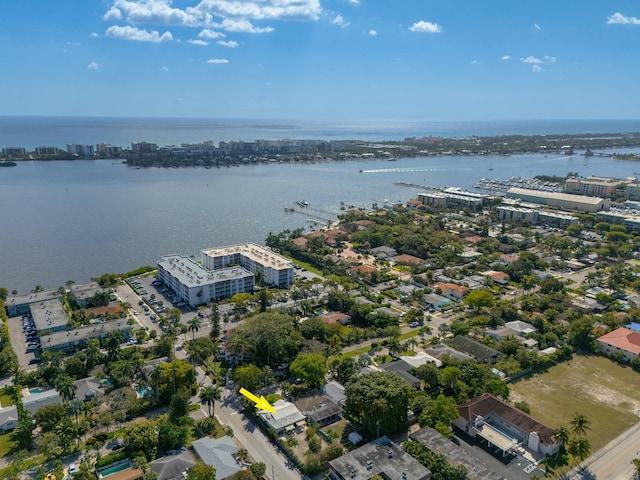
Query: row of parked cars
(30, 333)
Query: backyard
(605, 392)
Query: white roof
(287, 415)
(420, 359)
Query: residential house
(405, 259)
(505, 427)
(219, 453)
(173, 466)
(319, 410)
(622, 340)
(523, 328)
(441, 350)
(435, 301)
(8, 418)
(88, 388)
(477, 350)
(335, 317)
(35, 401)
(335, 391)
(383, 252)
(452, 290)
(500, 332)
(500, 278)
(287, 420)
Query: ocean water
(30, 132)
(74, 220)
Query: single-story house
(319, 410)
(477, 350)
(504, 426)
(500, 278)
(35, 401)
(335, 317)
(500, 332)
(402, 368)
(8, 418)
(219, 453)
(588, 304)
(383, 252)
(88, 388)
(408, 259)
(441, 350)
(287, 420)
(335, 391)
(523, 328)
(452, 290)
(172, 467)
(438, 302)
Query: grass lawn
(5, 399)
(5, 444)
(606, 393)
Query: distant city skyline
(322, 59)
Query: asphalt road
(613, 461)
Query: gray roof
(335, 391)
(88, 388)
(318, 407)
(481, 352)
(36, 401)
(170, 467)
(378, 457)
(85, 290)
(287, 414)
(192, 274)
(30, 298)
(436, 300)
(218, 452)
(8, 414)
(437, 443)
(48, 314)
(440, 350)
(79, 335)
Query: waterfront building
(453, 197)
(594, 186)
(81, 150)
(20, 304)
(49, 316)
(107, 149)
(143, 147)
(196, 285)
(564, 201)
(70, 340)
(275, 269)
(82, 293)
(46, 150)
(508, 212)
(14, 152)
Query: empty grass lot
(605, 392)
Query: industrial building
(563, 201)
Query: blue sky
(322, 59)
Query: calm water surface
(76, 220)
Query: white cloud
(133, 33)
(354, 2)
(94, 35)
(536, 68)
(550, 59)
(473, 62)
(206, 33)
(425, 27)
(536, 26)
(620, 19)
(156, 12)
(242, 26)
(217, 61)
(340, 21)
(373, 33)
(505, 57)
(198, 42)
(261, 9)
(74, 44)
(164, 69)
(531, 59)
(93, 66)
(230, 43)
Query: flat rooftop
(48, 314)
(32, 297)
(192, 274)
(568, 197)
(86, 290)
(259, 254)
(95, 330)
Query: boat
(303, 203)
(8, 164)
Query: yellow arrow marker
(261, 403)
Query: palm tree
(562, 436)
(579, 424)
(65, 387)
(209, 395)
(113, 344)
(194, 326)
(580, 448)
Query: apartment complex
(274, 269)
(597, 186)
(195, 285)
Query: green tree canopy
(310, 367)
(270, 337)
(482, 297)
(379, 400)
(202, 471)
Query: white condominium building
(274, 269)
(196, 285)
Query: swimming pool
(33, 391)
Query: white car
(135, 312)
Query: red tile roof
(486, 404)
(404, 258)
(624, 339)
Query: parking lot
(21, 332)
